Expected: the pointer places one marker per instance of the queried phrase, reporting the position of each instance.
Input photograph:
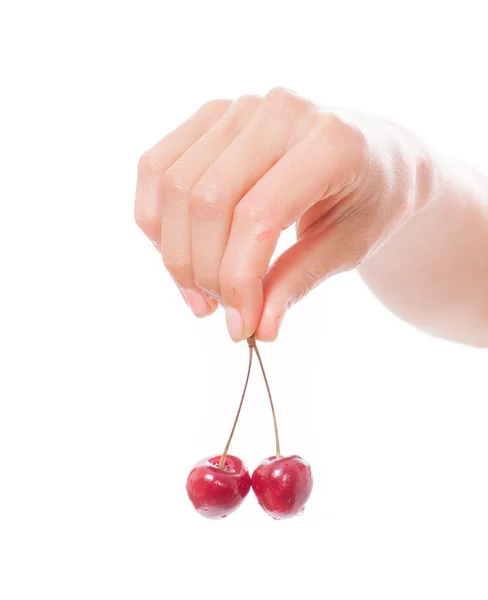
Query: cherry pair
(282, 486)
(217, 486)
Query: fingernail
(196, 302)
(235, 324)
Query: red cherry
(216, 492)
(282, 485)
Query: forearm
(434, 271)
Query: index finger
(313, 170)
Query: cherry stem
(252, 344)
(224, 455)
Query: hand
(215, 194)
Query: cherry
(283, 485)
(217, 491)
(218, 485)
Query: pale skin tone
(216, 193)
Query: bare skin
(215, 194)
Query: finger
(325, 250)
(181, 177)
(155, 162)
(316, 169)
(149, 192)
(252, 153)
(200, 304)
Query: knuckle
(148, 167)
(257, 213)
(280, 99)
(206, 201)
(279, 95)
(351, 146)
(174, 180)
(334, 126)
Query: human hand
(216, 193)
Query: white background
(110, 390)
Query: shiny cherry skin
(283, 485)
(215, 492)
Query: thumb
(320, 253)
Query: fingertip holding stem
(266, 331)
